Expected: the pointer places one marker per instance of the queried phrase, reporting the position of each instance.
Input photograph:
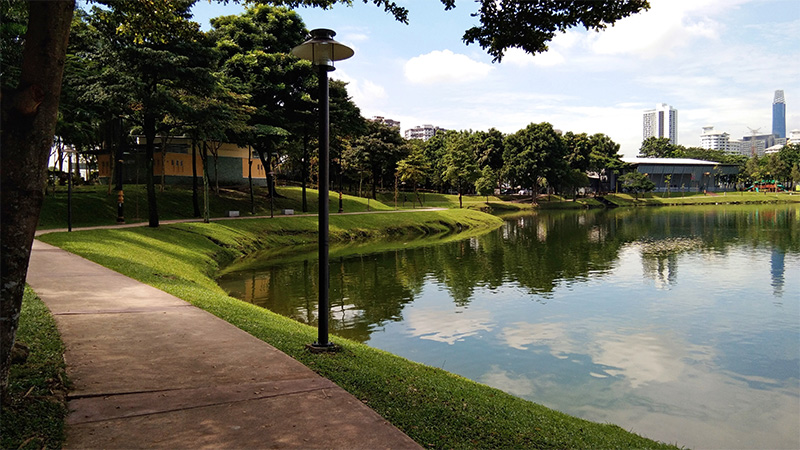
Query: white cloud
(521, 335)
(365, 93)
(447, 325)
(444, 67)
(521, 58)
(353, 37)
(666, 27)
(553, 57)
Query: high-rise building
(423, 132)
(756, 144)
(794, 137)
(779, 115)
(661, 122)
(713, 140)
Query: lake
(681, 324)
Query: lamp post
(118, 167)
(322, 51)
(69, 153)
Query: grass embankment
(34, 416)
(93, 206)
(694, 198)
(406, 200)
(434, 407)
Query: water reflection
(679, 324)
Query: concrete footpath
(151, 371)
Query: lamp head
(321, 49)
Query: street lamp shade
(321, 49)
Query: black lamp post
(322, 51)
(69, 153)
(118, 167)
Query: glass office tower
(779, 115)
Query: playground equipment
(766, 186)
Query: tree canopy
(530, 25)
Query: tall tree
(83, 118)
(636, 182)
(486, 183)
(654, 147)
(461, 168)
(533, 154)
(346, 124)
(380, 149)
(434, 151)
(489, 148)
(604, 159)
(255, 49)
(29, 112)
(151, 53)
(790, 157)
(413, 169)
(578, 149)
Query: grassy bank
(34, 415)
(434, 407)
(93, 206)
(693, 198)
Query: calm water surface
(681, 324)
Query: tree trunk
(250, 179)
(109, 143)
(150, 144)
(374, 185)
(304, 172)
(29, 120)
(216, 174)
(266, 167)
(163, 184)
(270, 176)
(195, 200)
(206, 213)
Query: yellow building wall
(104, 165)
(258, 168)
(176, 164)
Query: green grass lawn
(34, 416)
(435, 200)
(436, 408)
(93, 206)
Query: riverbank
(721, 198)
(436, 408)
(673, 199)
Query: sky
(718, 62)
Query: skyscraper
(779, 115)
(661, 122)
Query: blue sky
(718, 62)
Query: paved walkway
(151, 371)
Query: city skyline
(717, 62)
